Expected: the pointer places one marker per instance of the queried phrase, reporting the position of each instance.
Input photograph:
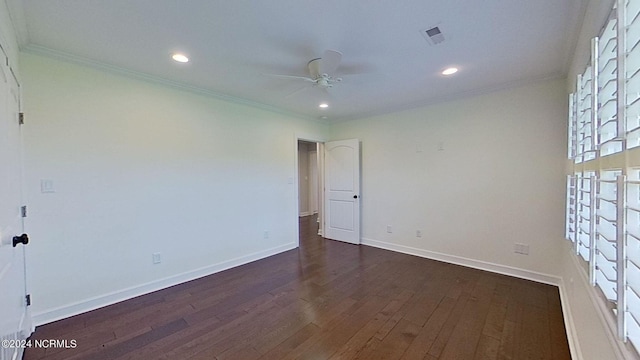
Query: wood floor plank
(288, 345)
(487, 348)
(244, 353)
(506, 350)
(86, 351)
(447, 329)
(155, 334)
(326, 299)
(466, 334)
(430, 331)
(357, 342)
(535, 342)
(323, 345)
(394, 344)
(495, 321)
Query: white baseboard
(472, 263)
(93, 303)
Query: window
(603, 190)
(605, 255)
(585, 143)
(632, 266)
(586, 186)
(610, 131)
(571, 227)
(572, 140)
(632, 83)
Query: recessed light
(180, 58)
(450, 71)
(323, 105)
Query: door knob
(24, 239)
(355, 196)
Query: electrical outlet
(389, 230)
(418, 233)
(156, 258)
(265, 235)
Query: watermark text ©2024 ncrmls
(40, 343)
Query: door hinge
(23, 211)
(28, 299)
(21, 118)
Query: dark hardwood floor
(325, 300)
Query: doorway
(309, 182)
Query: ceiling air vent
(433, 35)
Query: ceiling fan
(320, 70)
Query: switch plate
(156, 258)
(389, 229)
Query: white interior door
(15, 321)
(342, 190)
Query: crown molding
(95, 64)
(83, 61)
(456, 96)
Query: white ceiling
(233, 44)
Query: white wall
(498, 180)
(140, 168)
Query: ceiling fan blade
(330, 61)
(292, 77)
